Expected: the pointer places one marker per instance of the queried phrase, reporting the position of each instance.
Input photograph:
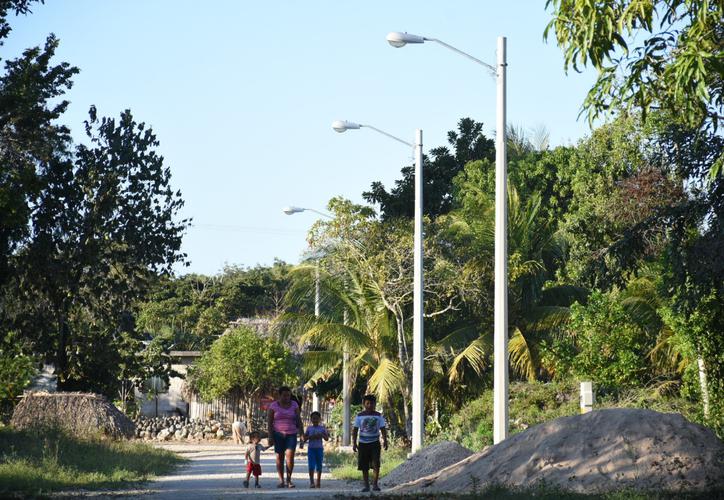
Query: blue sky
(242, 94)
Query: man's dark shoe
(365, 489)
(246, 484)
(375, 488)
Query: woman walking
(285, 424)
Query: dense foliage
(614, 248)
(243, 361)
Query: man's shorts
(283, 442)
(253, 468)
(368, 455)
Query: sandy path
(217, 471)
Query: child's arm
(383, 430)
(354, 438)
(325, 434)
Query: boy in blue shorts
(369, 424)
(315, 451)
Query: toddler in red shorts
(253, 459)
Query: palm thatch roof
(81, 414)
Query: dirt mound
(600, 451)
(78, 413)
(426, 461)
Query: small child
(370, 424)
(315, 452)
(253, 459)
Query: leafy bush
(337, 415)
(16, 372)
(530, 404)
(535, 403)
(603, 344)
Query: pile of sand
(426, 461)
(81, 414)
(600, 451)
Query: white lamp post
(291, 210)
(500, 370)
(418, 336)
(346, 396)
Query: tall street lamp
(291, 210)
(500, 370)
(346, 393)
(418, 337)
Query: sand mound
(600, 451)
(426, 461)
(78, 413)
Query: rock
(163, 435)
(219, 434)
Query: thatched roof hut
(81, 414)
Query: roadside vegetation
(34, 463)
(344, 465)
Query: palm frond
(387, 380)
(521, 358)
(546, 318)
(335, 336)
(475, 355)
(318, 365)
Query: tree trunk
(248, 411)
(61, 357)
(703, 385)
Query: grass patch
(34, 462)
(344, 465)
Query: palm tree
(352, 320)
(537, 308)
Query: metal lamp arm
(388, 135)
(320, 213)
(490, 68)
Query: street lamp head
(292, 210)
(397, 39)
(343, 125)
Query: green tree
(648, 53)
(242, 361)
(31, 102)
(102, 225)
(468, 143)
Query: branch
(450, 307)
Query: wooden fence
(233, 407)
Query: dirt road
(217, 471)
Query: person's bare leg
(280, 467)
(366, 478)
(311, 477)
(290, 466)
(248, 475)
(375, 476)
(319, 479)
